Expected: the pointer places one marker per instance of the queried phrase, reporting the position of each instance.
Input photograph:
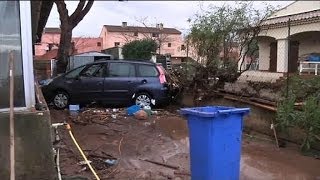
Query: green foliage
(216, 34)
(307, 118)
(219, 28)
(309, 121)
(139, 49)
(303, 88)
(286, 114)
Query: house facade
(51, 38)
(288, 36)
(169, 39)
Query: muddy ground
(104, 134)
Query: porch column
(282, 55)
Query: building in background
(51, 38)
(170, 40)
(275, 42)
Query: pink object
(162, 76)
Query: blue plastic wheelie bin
(215, 141)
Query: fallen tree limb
(161, 164)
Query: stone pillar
(282, 55)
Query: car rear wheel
(61, 100)
(143, 99)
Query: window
(183, 47)
(135, 33)
(121, 70)
(147, 71)
(99, 44)
(10, 41)
(169, 44)
(50, 46)
(95, 70)
(155, 34)
(116, 44)
(75, 72)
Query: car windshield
(75, 72)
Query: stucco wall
(83, 45)
(297, 7)
(47, 38)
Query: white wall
(264, 54)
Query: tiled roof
(112, 28)
(301, 17)
(51, 30)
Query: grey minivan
(109, 82)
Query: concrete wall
(296, 8)
(259, 120)
(34, 158)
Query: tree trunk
(63, 53)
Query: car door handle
(100, 83)
(144, 81)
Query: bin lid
(213, 111)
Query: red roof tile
(305, 16)
(48, 56)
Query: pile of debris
(96, 115)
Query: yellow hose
(84, 157)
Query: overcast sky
(170, 13)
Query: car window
(147, 71)
(121, 70)
(95, 70)
(75, 72)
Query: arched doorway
(267, 53)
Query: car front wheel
(61, 100)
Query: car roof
(124, 61)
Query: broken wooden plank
(263, 101)
(271, 108)
(184, 173)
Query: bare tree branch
(80, 15)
